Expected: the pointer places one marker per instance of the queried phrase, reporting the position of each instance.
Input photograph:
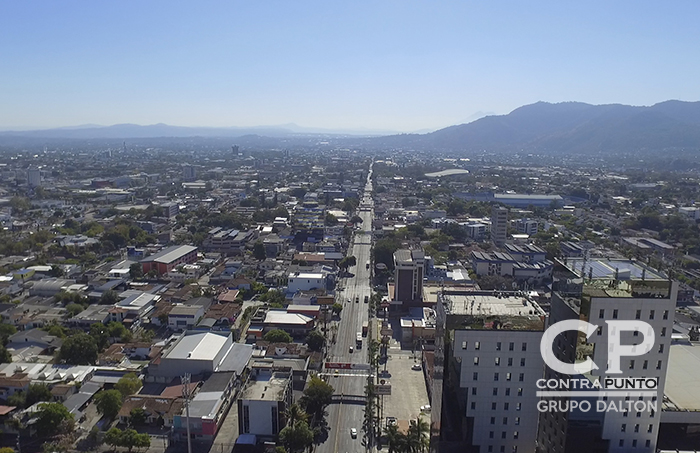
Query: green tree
(337, 308)
(108, 403)
(73, 309)
(36, 393)
(297, 437)
(128, 384)
(315, 340)
(136, 271)
(330, 219)
(100, 334)
(17, 399)
(6, 331)
(356, 219)
(137, 416)
(277, 336)
(5, 356)
(396, 439)
(109, 298)
(79, 349)
(113, 437)
(50, 417)
(417, 437)
(259, 252)
(317, 396)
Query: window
(521, 378)
(508, 392)
(623, 428)
(622, 442)
(658, 365)
(650, 428)
(647, 444)
(503, 434)
(600, 330)
(498, 346)
(477, 345)
(663, 331)
(476, 361)
(665, 316)
(511, 345)
(636, 428)
(505, 420)
(473, 405)
(522, 362)
(490, 448)
(645, 364)
(275, 421)
(661, 348)
(495, 376)
(475, 376)
(506, 406)
(636, 333)
(524, 347)
(634, 443)
(503, 449)
(651, 314)
(510, 361)
(518, 407)
(493, 406)
(246, 419)
(515, 434)
(631, 364)
(601, 314)
(638, 314)
(520, 392)
(464, 345)
(473, 391)
(507, 376)
(497, 361)
(625, 414)
(493, 420)
(490, 434)
(495, 391)
(517, 420)
(615, 314)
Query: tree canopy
(108, 402)
(315, 340)
(51, 417)
(128, 384)
(317, 396)
(277, 336)
(79, 349)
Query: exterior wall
(305, 284)
(500, 386)
(499, 225)
(259, 417)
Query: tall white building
(34, 177)
(499, 225)
(495, 364)
(597, 291)
(189, 173)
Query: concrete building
(526, 226)
(599, 291)
(264, 400)
(183, 317)
(189, 173)
(409, 269)
(491, 367)
(305, 281)
(194, 353)
(34, 177)
(499, 225)
(169, 258)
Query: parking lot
(408, 388)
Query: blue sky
(391, 65)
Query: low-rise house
(33, 342)
(159, 410)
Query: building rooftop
(493, 310)
(682, 389)
(170, 254)
(266, 388)
(197, 346)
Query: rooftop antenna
(187, 394)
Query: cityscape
(374, 227)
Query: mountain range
(562, 128)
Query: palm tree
(417, 438)
(295, 413)
(396, 439)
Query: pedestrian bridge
(340, 398)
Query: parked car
(353, 433)
(416, 367)
(425, 408)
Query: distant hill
(568, 127)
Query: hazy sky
(400, 65)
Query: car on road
(357, 299)
(336, 373)
(416, 367)
(353, 433)
(425, 408)
(351, 349)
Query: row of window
(497, 361)
(503, 449)
(511, 346)
(504, 434)
(623, 428)
(638, 314)
(496, 376)
(645, 364)
(495, 393)
(647, 443)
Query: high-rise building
(599, 291)
(488, 390)
(499, 225)
(408, 277)
(189, 173)
(34, 177)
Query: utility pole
(187, 394)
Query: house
(33, 342)
(159, 410)
(182, 317)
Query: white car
(425, 408)
(353, 433)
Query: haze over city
(380, 66)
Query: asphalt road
(344, 416)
